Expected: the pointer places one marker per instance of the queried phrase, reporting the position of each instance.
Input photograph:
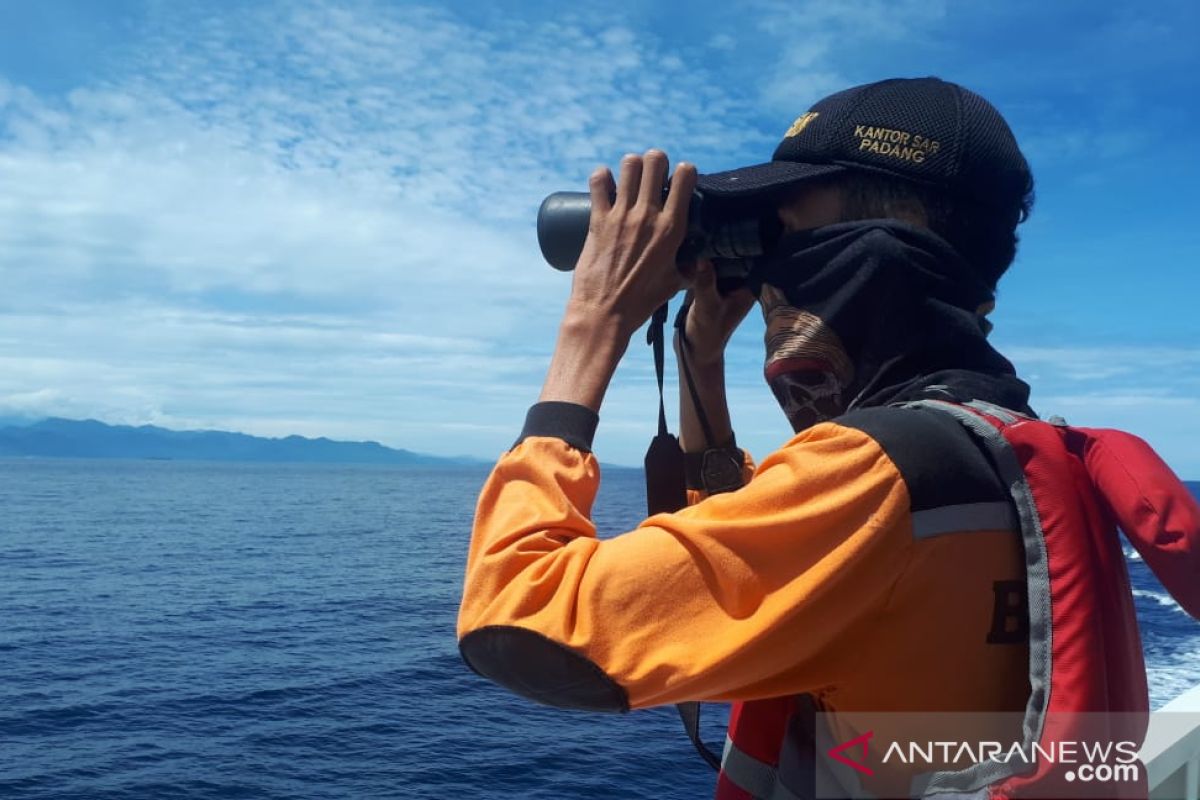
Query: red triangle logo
(837, 753)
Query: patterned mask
(806, 367)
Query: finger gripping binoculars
(731, 235)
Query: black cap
(924, 130)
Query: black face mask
(900, 301)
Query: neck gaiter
(866, 313)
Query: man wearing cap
(871, 563)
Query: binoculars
(731, 234)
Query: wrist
(706, 361)
(601, 338)
(703, 359)
(597, 322)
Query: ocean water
(203, 630)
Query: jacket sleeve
(759, 592)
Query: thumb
(705, 281)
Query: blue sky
(317, 217)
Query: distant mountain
(67, 438)
(10, 421)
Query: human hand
(712, 317)
(627, 267)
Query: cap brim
(762, 178)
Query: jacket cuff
(571, 422)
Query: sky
(317, 218)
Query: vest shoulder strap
(942, 465)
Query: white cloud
(817, 42)
(317, 217)
(214, 230)
(1141, 362)
(1152, 391)
(1102, 402)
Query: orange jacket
(828, 573)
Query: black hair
(984, 235)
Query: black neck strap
(654, 338)
(666, 489)
(685, 348)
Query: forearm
(708, 383)
(590, 345)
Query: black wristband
(571, 422)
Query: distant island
(68, 438)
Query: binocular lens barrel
(714, 233)
(562, 227)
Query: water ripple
(208, 631)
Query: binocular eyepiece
(731, 235)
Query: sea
(176, 629)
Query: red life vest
(1072, 488)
